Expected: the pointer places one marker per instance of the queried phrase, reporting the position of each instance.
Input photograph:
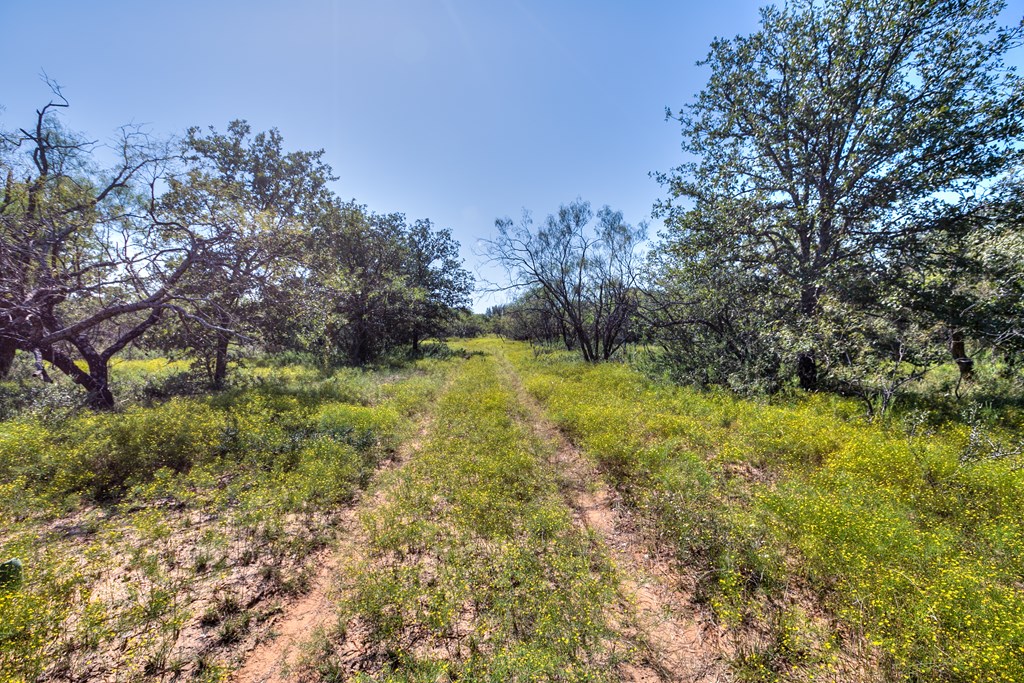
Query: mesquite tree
(256, 203)
(587, 275)
(439, 284)
(85, 266)
(376, 282)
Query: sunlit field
(164, 541)
(812, 527)
(529, 342)
(155, 538)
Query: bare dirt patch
(171, 591)
(275, 654)
(288, 639)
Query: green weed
(475, 557)
(122, 520)
(912, 537)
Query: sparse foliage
(587, 276)
(86, 266)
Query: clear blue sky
(460, 111)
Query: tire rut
(656, 613)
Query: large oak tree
(830, 137)
(257, 203)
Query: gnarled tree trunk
(95, 380)
(220, 365)
(7, 350)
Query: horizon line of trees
(847, 217)
(849, 214)
(199, 245)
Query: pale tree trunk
(958, 349)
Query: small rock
(11, 574)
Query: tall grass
(476, 572)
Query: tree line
(848, 214)
(847, 217)
(202, 244)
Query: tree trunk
(95, 381)
(7, 350)
(807, 370)
(220, 365)
(100, 396)
(958, 349)
(806, 363)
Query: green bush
(23, 445)
(358, 425)
(102, 454)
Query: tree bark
(807, 370)
(806, 363)
(7, 350)
(95, 381)
(958, 349)
(220, 366)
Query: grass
(909, 540)
(475, 569)
(129, 523)
(826, 546)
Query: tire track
(273, 660)
(675, 643)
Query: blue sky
(455, 110)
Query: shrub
(102, 454)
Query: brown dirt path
(273, 659)
(675, 642)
